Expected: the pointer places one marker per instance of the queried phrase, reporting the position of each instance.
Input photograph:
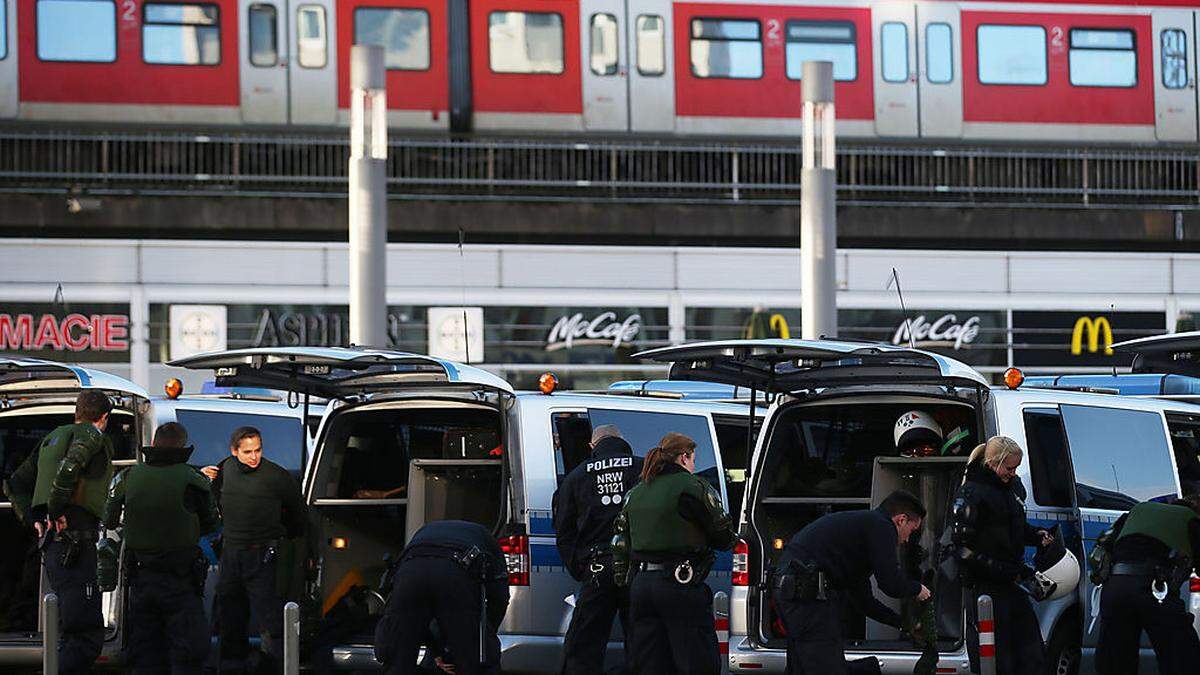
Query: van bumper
(518, 653)
(745, 657)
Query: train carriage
(1057, 72)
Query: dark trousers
(597, 603)
(814, 636)
(245, 583)
(168, 632)
(439, 592)
(1126, 609)
(1019, 646)
(80, 621)
(671, 626)
(19, 574)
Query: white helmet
(1057, 570)
(917, 426)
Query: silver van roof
(36, 376)
(336, 372)
(781, 365)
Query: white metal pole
(368, 197)
(818, 201)
(50, 633)
(291, 639)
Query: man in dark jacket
(830, 563)
(261, 505)
(452, 581)
(585, 505)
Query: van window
(643, 430)
(20, 434)
(1120, 457)
(1185, 442)
(1049, 461)
(209, 432)
(735, 453)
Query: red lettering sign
(74, 332)
(16, 332)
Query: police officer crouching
(452, 577)
(585, 506)
(1154, 548)
(828, 565)
(167, 507)
(665, 535)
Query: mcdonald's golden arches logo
(1096, 329)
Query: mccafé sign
(37, 332)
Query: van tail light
(516, 556)
(741, 563)
(1194, 584)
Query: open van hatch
(1171, 354)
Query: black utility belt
(693, 570)
(471, 560)
(800, 580)
(1126, 569)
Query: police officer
(828, 565)
(585, 506)
(61, 489)
(261, 507)
(1156, 547)
(665, 535)
(452, 580)
(167, 506)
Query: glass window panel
(1103, 68)
(203, 15)
(1012, 54)
(820, 32)
(1120, 457)
(1049, 459)
(643, 430)
(1174, 49)
(77, 30)
(264, 50)
(403, 33)
(209, 432)
(181, 45)
(604, 44)
(525, 42)
(724, 29)
(843, 56)
(722, 58)
(894, 39)
(310, 36)
(1101, 39)
(651, 45)
(939, 53)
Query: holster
(199, 573)
(799, 580)
(702, 564)
(1176, 570)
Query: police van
(408, 438)
(827, 445)
(35, 397)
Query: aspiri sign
(572, 330)
(944, 331)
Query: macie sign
(71, 333)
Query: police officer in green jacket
(665, 538)
(167, 506)
(1154, 549)
(61, 489)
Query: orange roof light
(173, 388)
(1013, 378)
(547, 383)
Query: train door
(895, 68)
(312, 70)
(1174, 56)
(262, 46)
(605, 65)
(8, 58)
(650, 46)
(939, 68)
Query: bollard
(987, 637)
(291, 639)
(49, 633)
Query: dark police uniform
(261, 508)
(68, 475)
(167, 506)
(585, 506)
(1142, 553)
(666, 533)
(989, 534)
(846, 548)
(448, 571)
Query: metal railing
(509, 168)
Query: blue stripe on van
(541, 526)
(546, 555)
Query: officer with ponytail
(663, 549)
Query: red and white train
(1103, 71)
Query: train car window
(604, 44)
(181, 35)
(77, 30)
(651, 45)
(1173, 46)
(1102, 58)
(939, 53)
(525, 42)
(834, 41)
(311, 51)
(1011, 54)
(893, 37)
(403, 33)
(264, 29)
(727, 48)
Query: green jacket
(71, 466)
(167, 505)
(1167, 523)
